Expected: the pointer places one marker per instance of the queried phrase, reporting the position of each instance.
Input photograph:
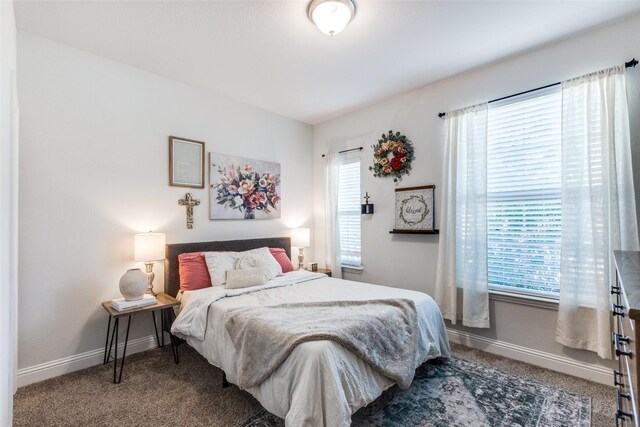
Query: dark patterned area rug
(461, 393)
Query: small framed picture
(414, 208)
(186, 162)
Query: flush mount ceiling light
(331, 16)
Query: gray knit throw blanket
(383, 333)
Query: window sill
(352, 269)
(528, 300)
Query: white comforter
(320, 383)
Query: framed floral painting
(242, 188)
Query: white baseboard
(551, 361)
(566, 365)
(76, 362)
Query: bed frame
(171, 274)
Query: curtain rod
(629, 64)
(346, 151)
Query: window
(524, 194)
(349, 212)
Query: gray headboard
(171, 274)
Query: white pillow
(218, 263)
(250, 261)
(245, 278)
(271, 266)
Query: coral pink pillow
(281, 256)
(193, 271)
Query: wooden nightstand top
(164, 301)
(322, 270)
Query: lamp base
(150, 276)
(300, 258)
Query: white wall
(94, 171)
(410, 261)
(8, 210)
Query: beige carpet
(156, 392)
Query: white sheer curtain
(331, 228)
(462, 253)
(8, 209)
(598, 205)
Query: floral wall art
(242, 188)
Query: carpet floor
(156, 392)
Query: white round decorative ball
(133, 284)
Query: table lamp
(300, 238)
(149, 247)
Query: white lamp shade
(149, 246)
(300, 237)
(331, 16)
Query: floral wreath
(392, 156)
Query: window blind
(523, 193)
(349, 216)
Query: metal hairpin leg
(167, 312)
(174, 345)
(162, 326)
(153, 314)
(124, 351)
(107, 353)
(106, 343)
(116, 327)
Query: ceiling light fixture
(331, 16)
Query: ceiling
(268, 54)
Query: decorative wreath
(392, 156)
(423, 215)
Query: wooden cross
(189, 202)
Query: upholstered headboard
(171, 274)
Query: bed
(320, 383)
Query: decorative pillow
(245, 278)
(281, 257)
(251, 261)
(219, 263)
(270, 264)
(193, 271)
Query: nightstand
(165, 304)
(322, 270)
